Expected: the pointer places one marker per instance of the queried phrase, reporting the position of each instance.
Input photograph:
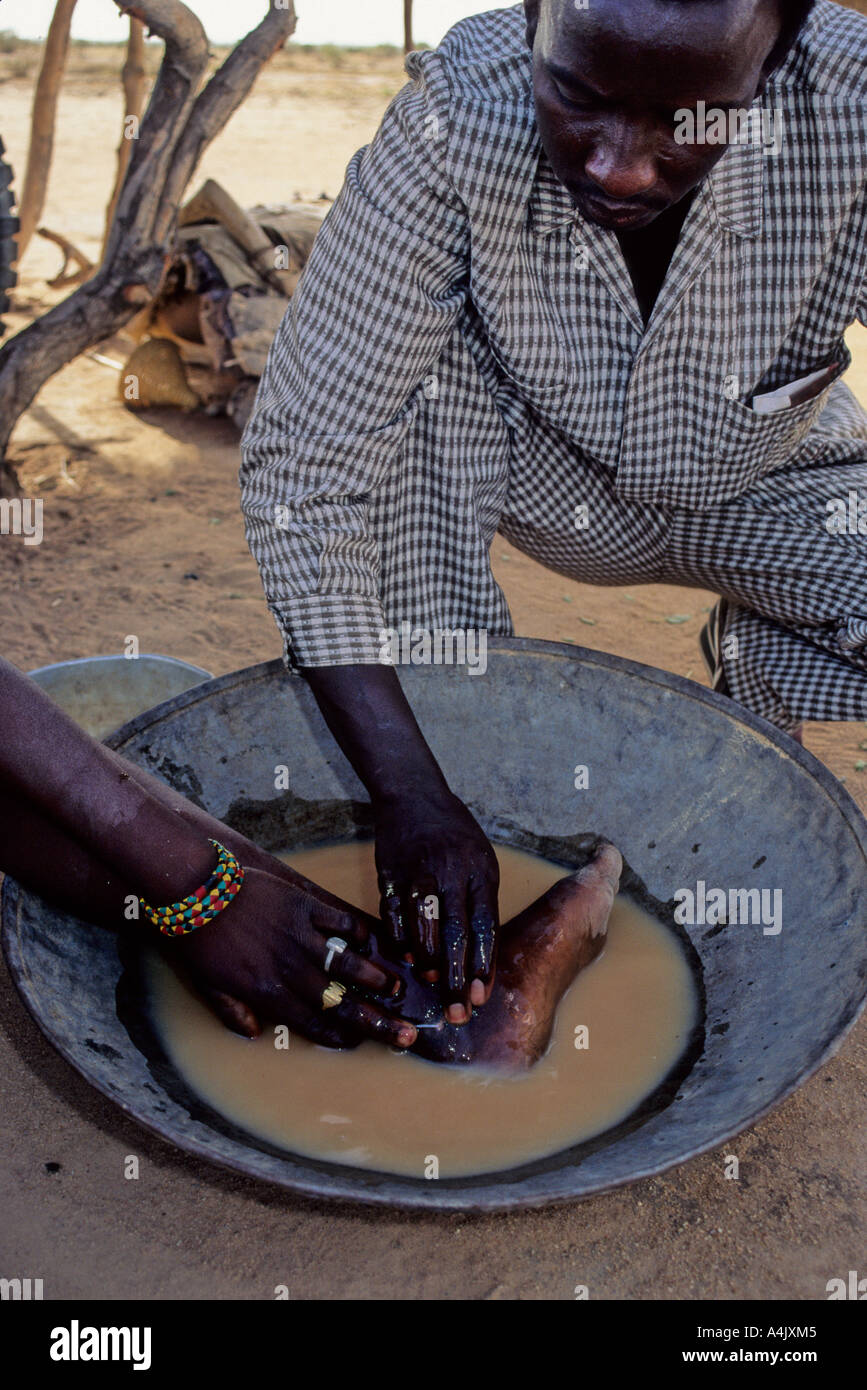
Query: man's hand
(263, 957)
(427, 843)
(438, 882)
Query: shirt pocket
(750, 443)
(526, 333)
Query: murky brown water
(374, 1108)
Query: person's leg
(793, 635)
(540, 953)
(596, 537)
(788, 676)
(794, 639)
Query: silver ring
(336, 946)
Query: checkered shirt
(465, 352)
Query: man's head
(609, 78)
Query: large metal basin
(688, 787)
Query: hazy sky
(319, 21)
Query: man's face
(608, 79)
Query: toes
(605, 869)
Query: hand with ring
(283, 953)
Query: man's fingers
(422, 914)
(370, 1022)
(324, 1031)
(453, 935)
(342, 919)
(391, 913)
(310, 1021)
(232, 1013)
(317, 1027)
(321, 1027)
(484, 922)
(309, 983)
(352, 921)
(352, 969)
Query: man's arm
(428, 845)
(88, 830)
(378, 300)
(47, 761)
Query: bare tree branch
(134, 81)
(135, 262)
(84, 267)
(41, 147)
(227, 90)
(177, 127)
(182, 68)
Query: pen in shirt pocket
(795, 392)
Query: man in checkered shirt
(589, 286)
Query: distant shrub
(9, 42)
(332, 54)
(336, 54)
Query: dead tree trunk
(408, 44)
(177, 127)
(134, 80)
(42, 122)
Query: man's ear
(531, 10)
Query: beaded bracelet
(201, 907)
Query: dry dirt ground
(143, 536)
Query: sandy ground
(143, 536)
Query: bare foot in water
(540, 953)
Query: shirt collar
(550, 204)
(736, 186)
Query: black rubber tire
(9, 225)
